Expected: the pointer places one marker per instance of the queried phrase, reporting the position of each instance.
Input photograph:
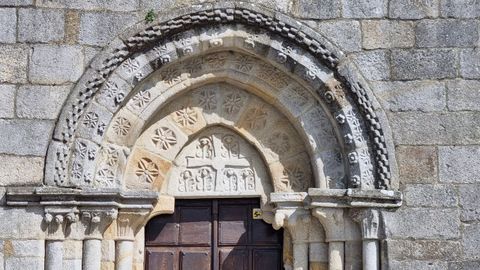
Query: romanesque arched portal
(222, 102)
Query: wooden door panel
(198, 260)
(195, 226)
(160, 260)
(264, 234)
(266, 259)
(162, 230)
(234, 259)
(212, 235)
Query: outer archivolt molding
(156, 34)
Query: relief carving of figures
(217, 165)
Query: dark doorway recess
(216, 234)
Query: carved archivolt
(272, 72)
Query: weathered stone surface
(464, 265)
(463, 95)
(373, 64)
(13, 263)
(469, 202)
(417, 164)
(21, 171)
(446, 33)
(115, 5)
(423, 64)
(15, 3)
(471, 241)
(435, 223)
(55, 64)
(424, 250)
(40, 25)
(25, 137)
(459, 164)
(72, 249)
(345, 34)
(8, 21)
(430, 196)
(387, 34)
(13, 63)
(417, 265)
(470, 63)
(7, 100)
(413, 9)
(435, 128)
(108, 250)
(425, 96)
(459, 8)
(43, 102)
(20, 224)
(157, 5)
(99, 28)
(469, 196)
(28, 248)
(365, 9)
(317, 9)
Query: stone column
(369, 222)
(96, 222)
(128, 224)
(58, 223)
(297, 222)
(334, 225)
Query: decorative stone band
(91, 210)
(184, 35)
(353, 198)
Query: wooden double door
(212, 234)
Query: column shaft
(370, 254)
(300, 256)
(53, 254)
(124, 254)
(336, 255)
(92, 254)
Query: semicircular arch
(297, 53)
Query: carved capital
(96, 221)
(129, 223)
(369, 222)
(332, 221)
(296, 221)
(58, 221)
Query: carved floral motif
(233, 103)
(146, 170)
(186, 116)
(121, 126)
(208, 99)
(141, 99)
(164, 138)
(256, 118)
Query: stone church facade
(329, 134)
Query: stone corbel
(369, 221)
(96, 221)
(58, 221)
(129, 223)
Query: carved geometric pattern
(121, 126)
(279, 142)
(146, 170)
(208, 99)
(164, 138)
(90, 120)
(186, 116)
(141, 99)
(233, 103)
(256, 118)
